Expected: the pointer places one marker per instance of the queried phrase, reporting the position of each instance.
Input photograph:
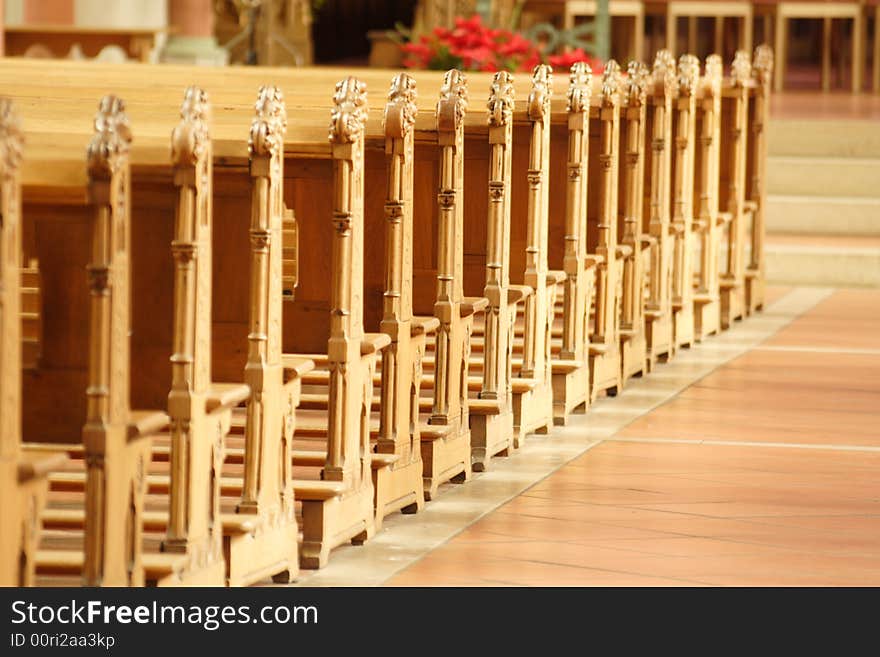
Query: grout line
(820, 350)
(404, 540)
(747, 443)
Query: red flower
(565, 60)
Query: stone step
(823, 176)
(823, 137)
(826, 260)
(823, 215)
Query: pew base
(633, 356)
(605, 373)
(398, 487)
(571, 392)
(754, 291)
(532, 412)
(707, 318)
(165, 569)
(732, 305)
(683, 326)
(660, 347)
(329, 523)
(267, 550)
(446, 456)
(491, 435)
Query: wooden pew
(684, 125)
(23, 482)
(658, 168)
(635, 247)
(605, 361)
(756, 165)
(400, 486)
(571, 376)
(734, 144)
(491, 413)
(708, 222)
(116, 440)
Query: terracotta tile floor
(790, 498)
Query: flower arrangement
(472, 45)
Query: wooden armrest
(555, 277)
(517, 293)
(472, 305)
(309, 490)
(374, 342)
(145, 423)
(36, 465)
(724, 218)
(295, 366)
(623, 251)
(226, 395)
(423, 325)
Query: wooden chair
(732, 203)
(634, 246)
(108, 486)
(684, 125)
(605, 360)
(658, 166)
(708, 223)
(756, 165)
(23, 475)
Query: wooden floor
(808, 104)
(764, 472)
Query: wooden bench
(663, 91)
(23, 476)
(636, 245)
(708, 223)
(684, 125)
(756, 174)
(107, 548)
(732, 201)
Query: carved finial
(401, 109)
(580, 87)
(741, 69)
(112, 139)
(349, 113)
(636, 83)
(541, 93)
(611, 83)
(664, 73)
(714, 73)
(688, 74)
(11, 138)
(269, 123)
(501, 99)
(452, 105)
(762, 68)
(189, 139)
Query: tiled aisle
(759, 464)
